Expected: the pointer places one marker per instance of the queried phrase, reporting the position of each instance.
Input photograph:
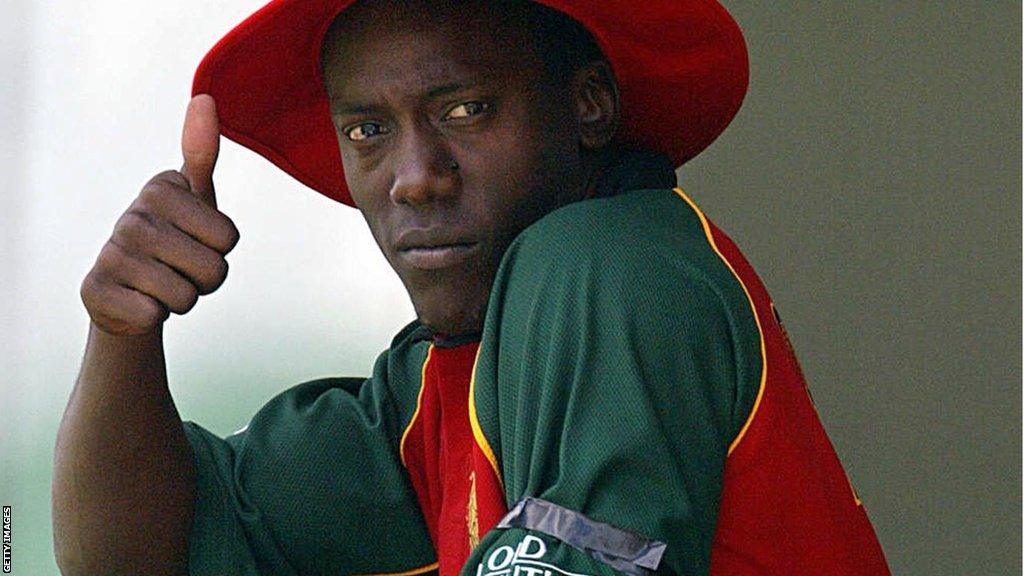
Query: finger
(183, 210)
(200, 145)
(201, 265)
(152, 278)
(122, 311)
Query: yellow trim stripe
(474, 422)
(413, 572)
(415, 415)
(856, 498)
(753, 308)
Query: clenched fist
(168, 248)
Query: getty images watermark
(7, 539)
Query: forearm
(123, 475)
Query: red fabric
(787, 505)
(458, 492)
(681, 66)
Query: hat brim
(681, 66)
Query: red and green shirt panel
(637, 374)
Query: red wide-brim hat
(681, 66)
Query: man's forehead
(354, 94)
(459, 17)
(447, 44)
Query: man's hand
(168, 248)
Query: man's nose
(425, 170)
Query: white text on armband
(525, 559)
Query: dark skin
(435, 86)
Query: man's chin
(450, 304)
(452, 327)
(448, 318)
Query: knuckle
(156, 192)
(183, 300)
(136, 227)
(233, 231)
(88, 290)
(150, 316)
(213, 275)
(168, 176)
(124, 224)
(149, 200)
(151, 191)
(220, 269)
(190, 299)
(112, 257)
(229, 236)
(112, 251)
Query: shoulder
(633, 217)
(380, 403)
(638, 278)
(654, 241)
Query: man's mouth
(433, 257)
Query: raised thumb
(200, 144)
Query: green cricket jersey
(631, 406)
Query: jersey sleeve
(620, 359)
(294, 492)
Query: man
(596, 381)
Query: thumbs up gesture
(200, 144)
(168, 248)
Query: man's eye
(465, 110)
(365, 130)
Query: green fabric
(620, 358)
(314, 485)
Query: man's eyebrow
(434, 92)
(449, 88)
(354, 109)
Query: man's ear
(597, 104)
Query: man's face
(453, 140)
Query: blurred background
(872, 178)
